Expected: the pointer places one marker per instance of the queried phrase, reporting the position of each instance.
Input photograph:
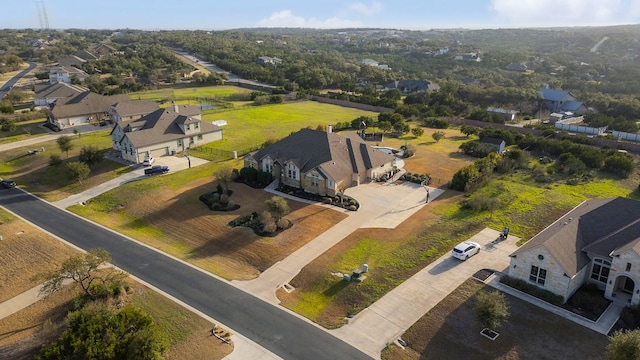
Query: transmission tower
(42, 15)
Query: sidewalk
(400, 308)
(82, 129)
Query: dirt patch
(450, 331)
(483, 274)
(194, 233)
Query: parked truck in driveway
(157, 169)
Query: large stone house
(320, 162)
(597, 242)
(411, 86)
(66, 75)
(163, 132)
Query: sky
(324, 14)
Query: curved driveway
(272, 328)
(14, 80)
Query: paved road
(4, 89)
(274, 329)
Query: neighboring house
(519, 67)
(411, 86)
(508, 115)
(269, 60)
(65, 74)
(498, 144)
(369, 62)
(84, 108)
(320, 162)
(163, 132)
(85, 55)
(71, 61)
(597, 242)
(474, 57)
(103, 50)
(561, 101)
(47, 94)
(131, 110)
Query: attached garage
(159, 152)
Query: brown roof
(162, 125)
(58, 90)
(86, 103)
(602, 227)
(135, 107)
(336, 155)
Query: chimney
(175, 108)
(329, 129)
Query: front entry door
(628, 286)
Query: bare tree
(86, 270)
(224, 175)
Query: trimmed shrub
(532, 290)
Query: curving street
(278, 331)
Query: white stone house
(66, 74)
(131, 110)
(83, 108)
(597, 242)
(320, 162)
(163, 132)
(47, 94)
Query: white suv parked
(148, 161)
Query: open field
(253, 125)
(26, 251)
(450, 331)
(33, 173)
(173, 220)
(187, 92)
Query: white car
(465, 250)
(148, 161)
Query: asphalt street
(276, 330)
(11, 82)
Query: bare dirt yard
(186, 228)
(450, 331)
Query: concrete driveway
(385, 320)
(137, 172)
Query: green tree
(619, 164)
(55, 160)
(438, 135)
(468, 130)
(98, 332)
(78, 171)
(277, 207)
(492, 309)
(8, 124)
(624, 345)
(385, 126)
(417, 131)
(90, 155)
(64, 144)
(84, 270)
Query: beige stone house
(163, 132)
(597, 242)
(82, 108)
(320, 162)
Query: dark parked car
(7, 183)
(158, 169)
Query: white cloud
(374, 8)
(286, 18)
(567, 12)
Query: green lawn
(185, 93)
(252, 125)
(25, 130)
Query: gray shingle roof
(336, 155)
(135, 107)
(603, 227)
(58, 90)
(86, 103)
(162, 125)
(554, 95)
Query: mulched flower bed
(253, 221)
(347, 202)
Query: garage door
(159, 152)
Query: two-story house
(163, 132)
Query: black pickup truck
(157, 169)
